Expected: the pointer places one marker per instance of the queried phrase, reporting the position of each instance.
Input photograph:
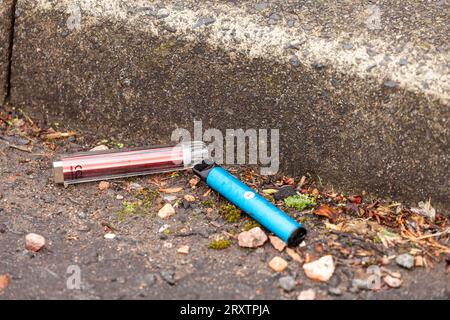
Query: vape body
(256, 206)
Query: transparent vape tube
(112, 164)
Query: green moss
(231, 213)
(128, 209)
(250, 225)
(208, 203)
(300, 202)
(166, 232)
(146, 198)
(219, 244)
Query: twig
(437, 234)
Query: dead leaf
(171, 190)
(355, 199)
(326, 211)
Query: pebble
(390, 84)
(169, 277)
(100, 148)
(287, 283)
(405, 260)
(34, 242)
(274, 18)
(104, 185)
(277, 243)
(360, 284)
(294, 60)
(119, 197)
(347, 46)
(418, 261)
(284, 192)
(204, 21)
(166, 211)
(4, 282)
(109, 236)
(253, 238)
(403, 62)
(321, 269)
(82, 215)
(294, 255)
(335, 291)
(309, 294)
(183, 249)
(278, 264)
(392, 282)
(162, 13)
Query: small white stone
(34, 242)
(100, 148)
(253, 238)
(321, 269)
(166, 211)
(183, 249)
(109, 236)
(309, 294)
(278, 264)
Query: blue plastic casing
(268, 215)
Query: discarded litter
(110, 164)
(235, 191)
(102, 165)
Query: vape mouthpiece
(112, 164)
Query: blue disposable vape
(235, 191)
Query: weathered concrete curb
(6, 7)
(362, 107)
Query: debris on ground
(356, 230)
(104, 185)
(392, 282)
(253, 238)
(4, 282)
(278, 264)
(109, 236)
(309, 294)
(34, 242)
(287, 283)
(321, 269)
(277, 243)
(405, 260)
(183, 249)
(166, 211)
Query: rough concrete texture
(359, 91)
(5, 35)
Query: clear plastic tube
(112, 164)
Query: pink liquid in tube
(112, 164)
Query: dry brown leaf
(326, 211)
(171, 190)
